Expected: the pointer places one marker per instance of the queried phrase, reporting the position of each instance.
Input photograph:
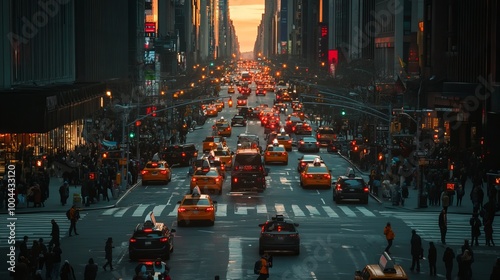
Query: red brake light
(181, 209)
(302, 142)
(365, 189)
(163, 239)
(268, 153)
(132, 240)
(339, 187)
(235, 180)
(183, 154)
(318, 135)
(154, 164)
(327, 176)
(143, 172)
(283, 154)
(193, 179)
(148, 230)
(217, 180)
(209, 209)
(163, 172)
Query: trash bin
(77, 200)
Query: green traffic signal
(343, 113)
(131, 135)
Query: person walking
(416, 250)
(49, 263)
(389, 235)
(460, 194)
(495, 272)
(266, 263)
(55, 233)
(90, 272)
(43, 252)
(488, 232)
(64, 193)
(23, 248)
(67, 271)
(443, 225)
(475, 229)
(445, 200)
(432, 257)
(465, 261)
(57, 252)
(448, 258)
(73, 217)
(108, 249)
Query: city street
(336, 240)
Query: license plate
(155, 173)
(280, 238)
(147, 243)
(352, 190)
(195, 212)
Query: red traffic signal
(138, 123)
(92, 176)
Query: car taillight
(302, 164)
(181, 209)
(163, 172)
(318, 135)
(209, 209)
(143, 172)
(132, 240)
(327, 176)
(193, 179)
(309, 175)
(339, 187)
(163, 239)
(235, 180)
(283, 154)
(317, 143)
(222, 168)
(147, 230)
(217, 180)
(289, 141)
(365, 189)
(183, 154)
(268, 154)
(301, 142)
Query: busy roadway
(336, 239)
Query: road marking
(158, 210)
(365, 211)
(221, 210)
(312, 210)
(235, 262)
(121, 212)
(261, 209)
(140, 210)
(173, 213)
(109, 212)
(347, 211)
(242, 210)
(329, 211)
(297, 212)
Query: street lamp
(422, 200)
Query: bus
(245, 76)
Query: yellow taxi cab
(276, 153)
(285, 140)
(224, 155)
(219, 104)
(212, 142)
(211, 111)
(223, 128)
(231, 90)
(156, 171)
(207, 180)
(316, 174)
(385, 269)
(196, 208)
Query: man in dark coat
(475, 229)
(448, 259)
(55, 233)
(443, 225)
(416, 250)
(495, 273)
(90, 270)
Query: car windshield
(196, 201)
(154, 165)
(275, 149)
(206, 173)
(310, 157)
(317, 169)
(326, 131)
(309, 139)
(153, 234)
(279, 227)
(220, 153)
(351, 183)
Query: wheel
(365, 201)
(170, 178)
(211, 223)
(285, 162)
(337, 200)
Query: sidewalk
(53, 203)
(411, 203)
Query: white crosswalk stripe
(426, 225)
(35, 226)
(244, 209)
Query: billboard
(333, 60)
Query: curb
(139, 182)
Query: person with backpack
(475, 229)
(262, 266)
(72, 215)
(64, 193)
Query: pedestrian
(416, 250)
(475, 229)
(57, 252)
(49, 263)
(55, 233)
(22, 269)
(90, 272)
(64, 192)
(73, 217)
(389, 235)
(445, 200)
(432, 257)
(108, 250)
(265, 264)
(460, 194)
(23, 248)
(67, 271)
(443, 225)
(448, 258)
(43, 252)
(495, 272)
(488, 232)
(465, 261)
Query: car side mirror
(261, 225)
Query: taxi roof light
(386, 263)
(317, 162)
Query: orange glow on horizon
(246, 16)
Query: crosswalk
(426, 225)
(242, 209)
(35, 226)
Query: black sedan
(278, 235)
(351, 187)
(151, 240)
(308, 144)
(238, 120)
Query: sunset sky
(246, 16)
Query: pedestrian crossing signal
(92, 176)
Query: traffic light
(92, 176)
(132, 134)
(343, 112)
(380, 157)
(39, 163)
(138, 123)
(211, 64)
